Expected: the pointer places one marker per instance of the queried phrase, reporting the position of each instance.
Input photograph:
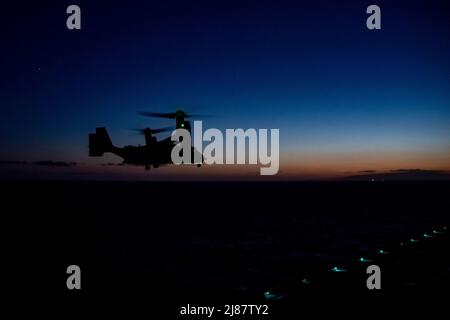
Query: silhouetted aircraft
(153, 153)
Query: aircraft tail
(99, 143)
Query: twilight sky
(345, 99)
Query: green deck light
(413, 240)
(426, 235)
(273, 296)
(336, 269)
(305, 281)
(269, 296)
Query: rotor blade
(139, 131)
(173, 115)
(196, 115)
(153, 131)
(170, 115)
(162, 130)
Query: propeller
(171, 115)
(153, 131)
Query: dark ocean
(211, 242)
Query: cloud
(111, 164)
(417, 171)
(47, 163)
(367, 171)
(51, 163)
(12, 162)
(402, 175)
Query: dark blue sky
(365, 99)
